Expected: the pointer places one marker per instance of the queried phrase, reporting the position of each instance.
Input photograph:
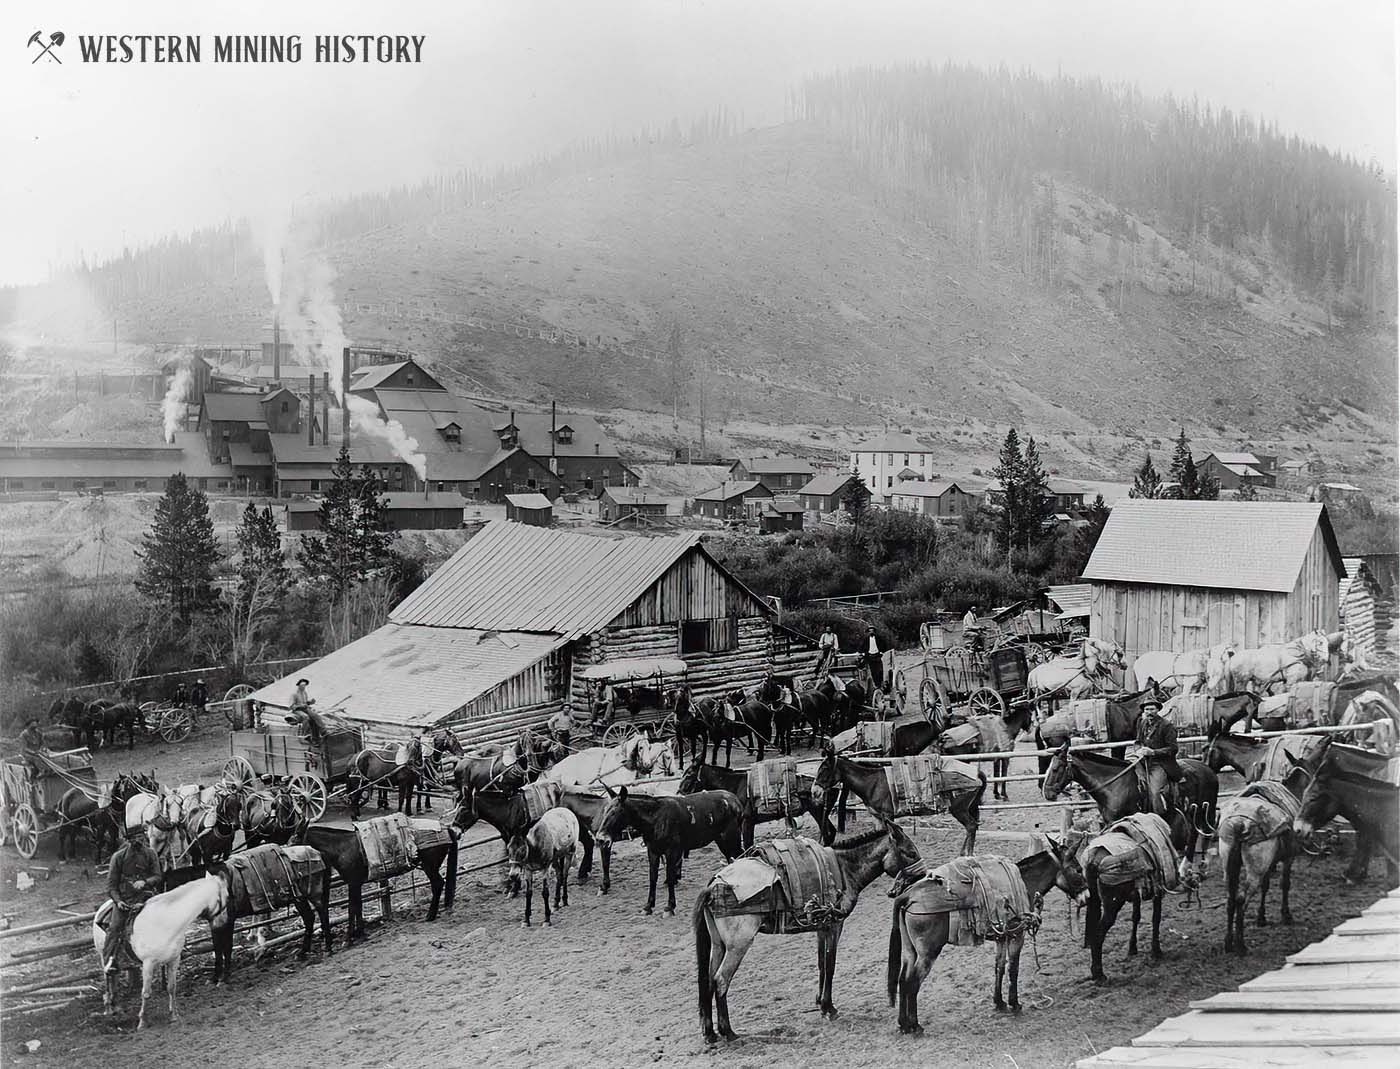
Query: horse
(549, 844)
(1113, 784)
(1078, 675)
(1248, 860)
(702, 777)
(1247, 755)
(308, 897)
(646, 758)
(69, 712)
(815, 707)
(1120, 722)
(1348, 782)
(906, 740)
(341, 850)
(735, 716)
(920, 928)
(995, 734)
(509, 814)
(158, 936)
(210, 828)
(272, 816)
(722, 941)
(101, 817)
(504, 768)
(1373, 708)
(871, 787)
(1105, 901)
(1184, 673)
(1260, 669)
(107, 717)
(370, 769)
(672, 826)
(597, 766)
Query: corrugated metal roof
(512, 577)
(1222, 544)
(1073, 599)
(412, 675)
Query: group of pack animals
(549, 808)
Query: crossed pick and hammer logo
(55, 39)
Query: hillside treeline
(979, 145)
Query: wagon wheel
(147, 708)
(1036, 653)
(985, 701)
(618, 733)
(880, 703)
(241, 690)
(176, 724)
(239, 772)
(4, 824)
(25, 828)
(667, 728)
(929, 701)
(311, 789)
(901, 691)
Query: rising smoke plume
(173, 406)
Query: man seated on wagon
(830, 646)
(133, 878)
(972, 629)
(1156, 744)
(31, 741)
(604, 700)
(301, 712)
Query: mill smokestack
(311, 410)
(326, 408)
(277, 349)
(553, 428)
(345, 396)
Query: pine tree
(355, 537)
(1095, 519)
(262, 564)
(1008, 472)
(1183, 469)
(1034, 493)
(179, 552)
(1207, 487)
(1146, 482)
(1246, 492)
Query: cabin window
(530, 484)
(284, 406)
(138, 484)
(408, 379)
(709, 636)
(225, 434)
(889, 481)
(109, 484)
(79, 484)
(47, 484)
(889, 458)
(906, 460)
(588, 482)
(16, 484)
(315, 484)
(565, 434)
(441, 487)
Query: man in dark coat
(875, 659)
(1156, 747)
(199, 695)
(133, 877)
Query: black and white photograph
(699, 533)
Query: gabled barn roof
(1226, 545)
(511, 577)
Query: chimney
(276, 348)
(311, 410)
(326, 408)
(345, 396)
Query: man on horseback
(1156, 748)
(133, 878)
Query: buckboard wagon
(29, 800)
(284, 753)
(644, 696)
(985, 682)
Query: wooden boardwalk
(1336, 1002)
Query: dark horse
(995, 734)
(1113, 785)
(80, 811)
(736, 716)
(1349, 783)
(692, 730)
(69, 712)
(672, 826)
(871, 787)
(1246, 754)
(106, 717)
(702, 777)
(210, 831)
(1105, 901)
(341, 849)
(507, 812)
(272, 816)
(506, 769)
(722, 941)
(919, 929)
(370, 769)
(310, 898)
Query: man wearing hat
(875, 659)
(301, 709)
(133, 877)
(199, 695)
(561, 724)
(1156, 746)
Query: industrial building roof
(242, 456)
(511, 577)
(399, 501)
(370, 377)
(776, 465)
(1226, 545)
(411, 676)
(892, 442)
(238, 407)
(187, 455)
(294, 449)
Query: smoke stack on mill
(277, 350)
(310, 409)
(345, 397)
(326, 408)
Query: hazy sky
(92, 156)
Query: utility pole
(703, 453)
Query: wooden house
(1233, 470)
(1357, 596)
(618, 503)
(493, 640)
(533, 509)
(941, 499)
(1184, 575)
(732, 501)
(780, 514)
(826, 494)
(779, 474)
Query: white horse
(1079, 675)
(1257, 670)
(1372, 707)
(607, 766)
(549, 844)
(158, 936)
(1187, 671)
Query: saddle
(1310, 703)
(991, 895)
(1152, 782)
(959, 739)
(773, 787)
(1269, 808)
(540, 797)
(428, 834)
(388, 844)
(920, 785)
(1140, 852)
(794, 884)
(269, 877)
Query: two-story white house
(883, 463)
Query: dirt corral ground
(608, 987)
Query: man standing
(561, 725)
(199, 695)
(31, 742)
(133, 877)
(972, 628)
(182, 695)
(830, 646)
(875, 659)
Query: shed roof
(1072, 598)
(239, 407)
(634, 495)
(512, 577)
(530, 501)
(932, 488)
(892, 442)
(729, 491)
(1226, 545)
(828, 484)
(408, 675)
(1235, 458)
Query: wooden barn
(618, 503)
(406, 511)
(1357, 595)
(1183, 575)
(492, 641)
(533, 509)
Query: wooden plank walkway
(1336, 1001)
